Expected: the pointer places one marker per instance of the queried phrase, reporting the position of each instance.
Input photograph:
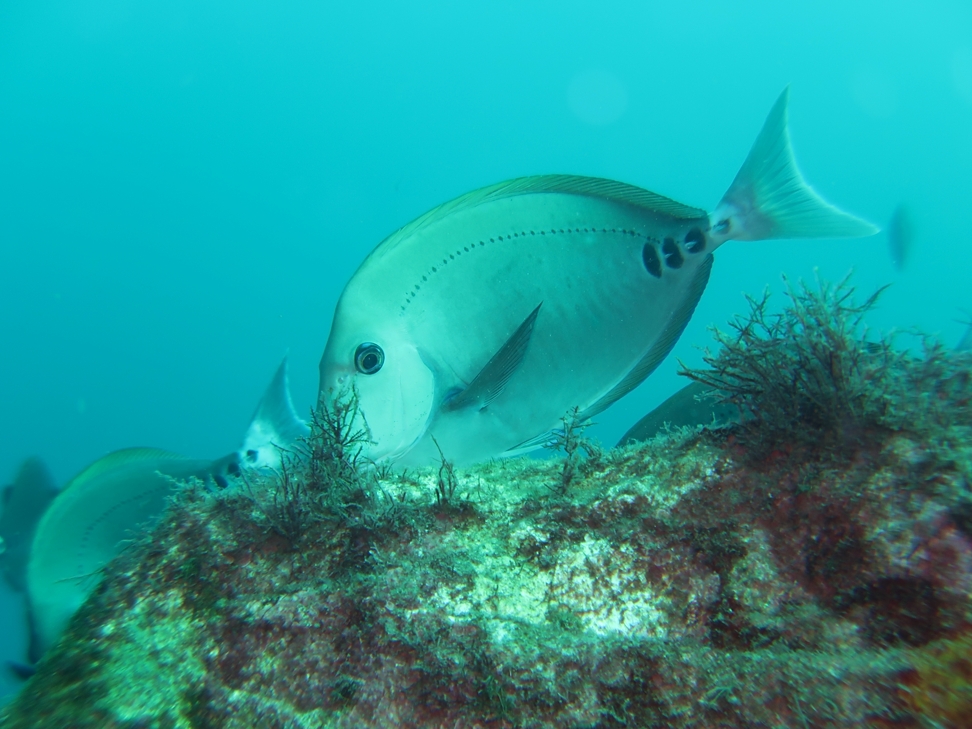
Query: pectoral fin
(489, 383)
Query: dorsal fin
(489, 383)
(564, 184)
(662, 346)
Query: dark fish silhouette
(24, 502)
(965, 343)
(900, 236)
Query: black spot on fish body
(673, 256)
(695, 241)
(651, 260)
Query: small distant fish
(965, 343)
(695, 404)
(24, 502)
(479, 325)
(900, 235)
(115, 497)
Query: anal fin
(491, 380)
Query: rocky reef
(810, 566)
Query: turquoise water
(186, 186)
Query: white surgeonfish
(478, 326)
(120, 496)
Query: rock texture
(680, 583)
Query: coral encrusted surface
(679, 583)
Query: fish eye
(368, 358)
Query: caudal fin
(770, 199)
(275, 425)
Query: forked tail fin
(770, 199)
(275, 426)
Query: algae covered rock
(678, 583)
(764, 575)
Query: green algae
(813, 374)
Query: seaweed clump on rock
(810, 375)
(811, 566)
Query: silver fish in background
(122, 494)
(87, 525)
(481, 323)
(901, 233)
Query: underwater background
(185, 187)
